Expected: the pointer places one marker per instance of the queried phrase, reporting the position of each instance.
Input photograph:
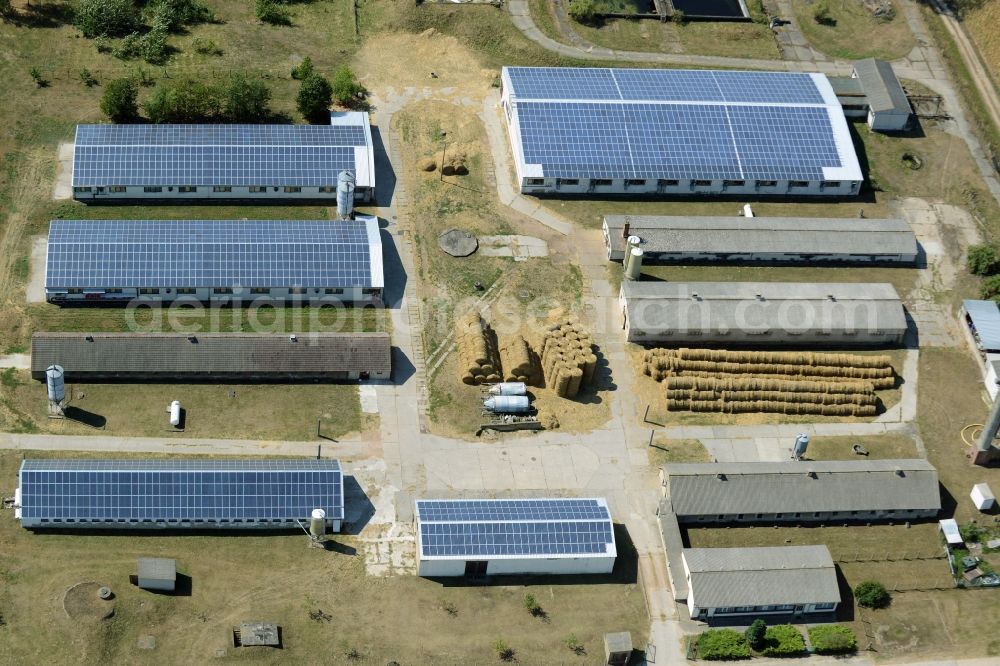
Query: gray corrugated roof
(158, 568)
(211, 353)
(985, 316)
(787, 487)
(763, 306)
(881, 86)
(846, 86)
(786, 235)
(727, 577)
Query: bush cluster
(871, 594)
(106, 18)
(832, 639)
(783, 640)
(238, 100)
(722, 644)
(273, 12)
(151, 47)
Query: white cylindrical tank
(345, 194)
(55, 383)
(509, 404)
(801, 444)
(509, 388)
(747, 210)
(630, 242)
(175, 413)
(317, 524)
(634, 267)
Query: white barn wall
(170, 192)
(521, 566)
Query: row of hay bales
(518, 362)
(568, 358)
(758, 406)
(478, 357)
(744, 383)
(774, 357)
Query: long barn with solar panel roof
(178, 494)
(223, 162)
(475, 537)
(214, 261)
(594, 131)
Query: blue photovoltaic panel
(528, 509)
(207, 253)
(224, 155)
(484, 539)
(164, 490)
(673, 124)
(521, 527)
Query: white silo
(345, 195)
(801, 444)
(633, 269)
(175, 413)
(509, 388)
(508, 404)
(317, 525)
(630, 242)
(55, 385)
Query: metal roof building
(760, 581)
(214, 260)
(515, 536)
(888, 108)
(762, 239)
(983, 320)
(216, 356)
(157, 573)
(178, 494)
(597, 131)
(223, 162)
(806, 491)
(763, 314)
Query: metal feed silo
(345, 194)
(508, 404)
(801, 444)
(509, 388)
(55, 383)
(317, 525)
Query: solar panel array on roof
(514, 528)
(212, 253)
(226, 155)
(178, 491)
(679, 124)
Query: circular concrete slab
(458, 243)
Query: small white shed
(982, 497)
(157, 573)
(951, 533)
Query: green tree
(821, 13)
(106, 18)
(983, 260)
(582, 11)
(271, 12)
(871, 594)
(6, 9)
(991, 287)
(755, 633)
(303, 69)
(245, 100)
(173, 15)
(118, 102)
(184, 101)
(346, 88)
(313, 100)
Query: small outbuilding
(157, 573)
(949, 527)
(249, 634)
(617, 648)
(888, 107)
(983, 497)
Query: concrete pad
(526, 466)
(369, 398)
(18, 361)
(35, 292)
(521, 248)
(63, 188)
(495, 470)
(557, 465)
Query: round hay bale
(468, 379)
(427, 164)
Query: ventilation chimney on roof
(720, 477)
(192, 338)
(899, 472)
(625, 228)
(89, 338)
(293, 338)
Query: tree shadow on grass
(50, 15)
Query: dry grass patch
(880, 447)
(854, 33)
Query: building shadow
(358, 509)
(402, 367)
(393, 272)
(385, 189)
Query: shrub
(6, 9)
(991, 287)
(755, 633)
(346, 88)
(205, 46)
(271, 12)
(303, 69)
(183, 101)
(532, 606)
(118, 101)
(574, 645)
(87, 78)
(832, 639)
(983, 260)
(504, 651)
(313, 100)
(783, 640)
(245, 101)
(38, 78)
(172, 15)
(872, 594)
(106, 18)
(821, 13)
(720, 644)
(151, 47)
(582, 11)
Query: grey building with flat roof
(888, 107)
(212, 356)
(763, 314)
(769, 240)
(802, 491)
(157, 573)
(784, 580)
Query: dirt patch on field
(82, 602)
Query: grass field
(881, 447)
(279, 578)
(980, 19)
(224, 411)
(854, 33)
